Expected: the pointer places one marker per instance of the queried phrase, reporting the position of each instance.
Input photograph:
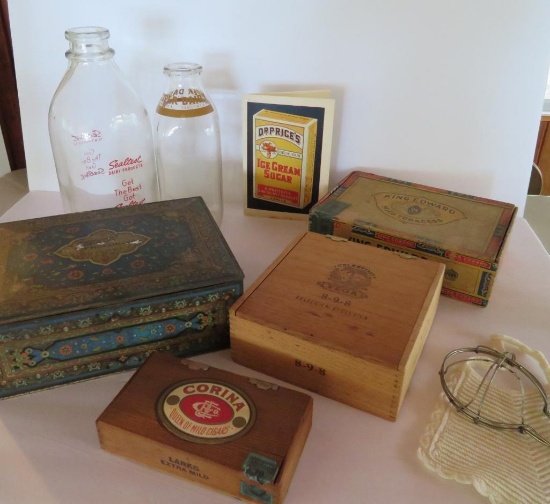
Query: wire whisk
(475, 403)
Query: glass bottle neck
(182, 70)
(183, 76)
(89, 43)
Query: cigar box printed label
(416, 210)
(206, 412)
(283, 157)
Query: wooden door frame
(10, 116)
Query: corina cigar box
(467, 233)
(90, 293)
(234, 434)
(345, 321)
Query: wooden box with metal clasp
(234, 434)
(345, 321)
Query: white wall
(440, 92)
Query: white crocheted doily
(504, 466)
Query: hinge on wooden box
(263, 385)
(195, 366)
(403, 255)
(336, 238)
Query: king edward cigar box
(95, 292)
(466, 233)
(237, 435)
(334, 317)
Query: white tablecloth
(49, 447)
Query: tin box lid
(67, 263)
(450, 222)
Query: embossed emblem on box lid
(102, 247)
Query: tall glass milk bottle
(100, 132)
(187, 133)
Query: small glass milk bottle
(187, 133)
(100, 132)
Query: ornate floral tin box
(339, 319)
(95, 292)
(234, 434)
(467, 233)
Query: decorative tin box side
(93, 343)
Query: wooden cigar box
(467, 233)
(339, 319)
(234, 434)
(90, 293)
